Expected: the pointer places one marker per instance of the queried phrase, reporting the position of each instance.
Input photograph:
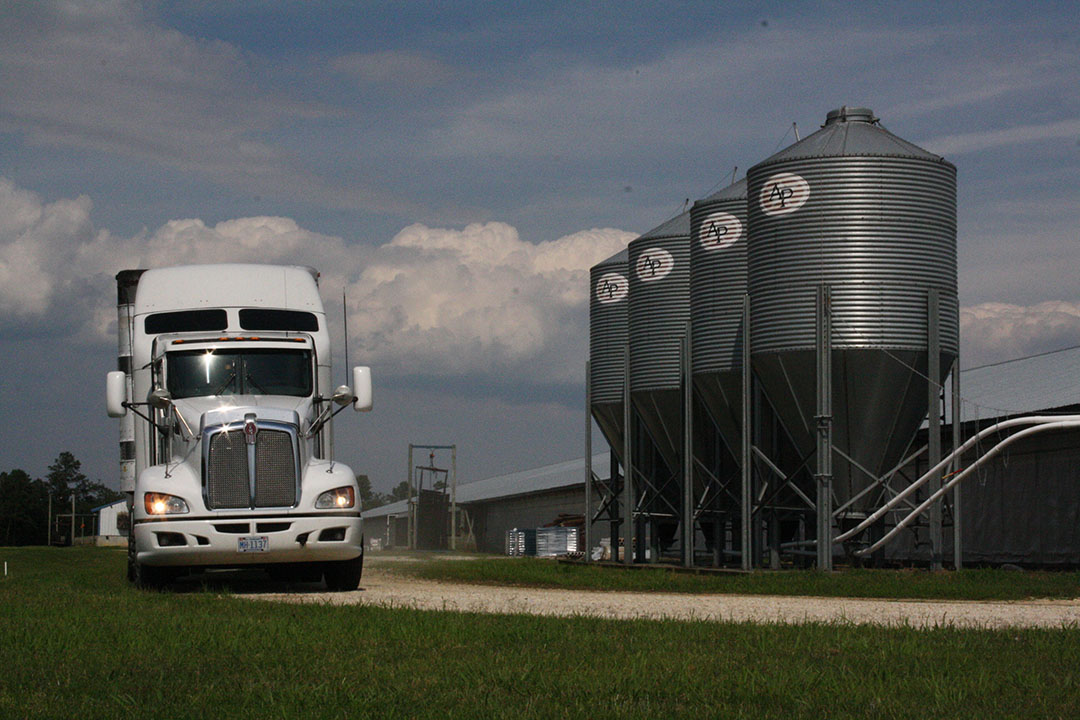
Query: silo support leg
(628, 469)
(588, 464)
(957, 429)
(933, 372)
(824, 428)
(688, 454)
(746, 491)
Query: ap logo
(611, 287)
(654, 264)
(783, 193)
(719, 230)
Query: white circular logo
(783, 193)
(654, 264)
(719, 230)
(611, 287)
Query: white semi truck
(226, 441)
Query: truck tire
(131, 566)
(149, 577)
(343, 575)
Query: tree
(368, 497)
(401, 492)
(66, 477)
(24, 506)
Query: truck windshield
(196, 373)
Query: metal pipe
(971, 442)
(989, 455)
(882, 481)
(688, 451)
(588, 461)
(628, 471)
(933, 389)
(453, 497)
(746, 494)
(824, 428)
(411, 521)
(957, 430)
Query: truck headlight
(337, 498)
(163, 504)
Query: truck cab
(227, 444)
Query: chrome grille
(227, 478)
(234, 469)
(275, 470)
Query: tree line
(370, 499)
(25, 501)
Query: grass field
(78, 642)
(974, 584)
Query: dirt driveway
(380, 586)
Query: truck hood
(203, 412)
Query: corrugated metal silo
(607, 345)
(717, 288)
(873, 217)
(659, 310)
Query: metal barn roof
(524, 482)
(1024, 385)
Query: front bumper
(216, 541)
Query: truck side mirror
(115, 393)
(159, 398)
(362, 388)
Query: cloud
(39, 245)
(104, 77)
(431, 302)
(984, 140)
(479, 302)
(991, 332)
(394, 68)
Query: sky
(454, 169)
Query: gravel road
(384, 588)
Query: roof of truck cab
(189, 287)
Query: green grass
(76, 641)
(974, 584)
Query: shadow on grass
(246, 581)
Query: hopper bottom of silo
(661, 413)
(879, 402)
(609, 418)
(721, 393)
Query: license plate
(253, 543)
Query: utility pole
(48, 525)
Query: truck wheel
(343, 575)
(131, 558)
(148, 577)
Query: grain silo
(608, 345)
(659, 311)
(717, 289)
(855, 228)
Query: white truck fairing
(229, 374)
